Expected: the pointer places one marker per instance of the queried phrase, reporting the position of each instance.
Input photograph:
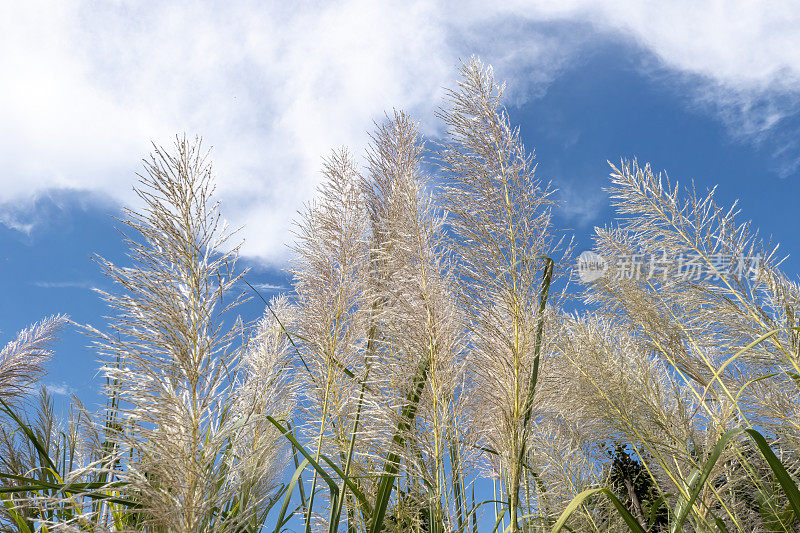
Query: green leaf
(40, 448)
(19, 520)
(787, 484)
(392, 464)
(577, 501)
(289, 491)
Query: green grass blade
(350, 451)
(787, 484)
(721, 525)
(322, 472)
(23, 525)
(349, 483)
(682, 512)
(297, 465)
(682, 506)
(325, 476)
(455, 469)
(499, 519)
(289, 491)
(547, 279)
(40, 448)
(577, 501)
(392, 464)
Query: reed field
(428, 371)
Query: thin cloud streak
(269, 287)
(63, 284)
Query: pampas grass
(21, 360)
(424, 375)
(500, 216)
(189, 436)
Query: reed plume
(499, 213)
(332, 301)
(184, 438)
(702, 326)
(22, 360)
(422, 359)
(421, 337)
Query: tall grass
(423, 375)
(22, 360)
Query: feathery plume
(499, 213)
(170, 364)
(22, 360)
(419, 323)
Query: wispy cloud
(13, 221)
(579, 203)
(768, 119)
(58, 389)
(274, 87)
(63, 284)
(269, 287)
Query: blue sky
(86, 87)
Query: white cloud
(579, 203)
(269, 287)
(13, 221)
(58, 389)
(63, 284)
(274, 87)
